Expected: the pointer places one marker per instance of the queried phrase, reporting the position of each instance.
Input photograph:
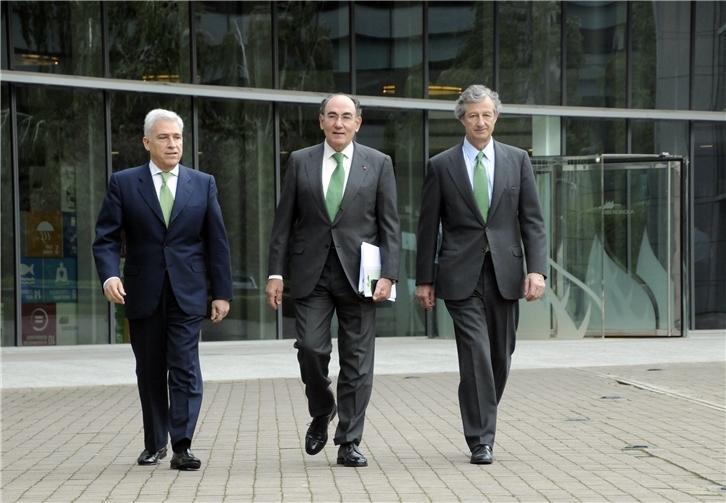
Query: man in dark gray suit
(336, 195)
(482, 195)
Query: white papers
(370, 269)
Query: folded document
(370, 269)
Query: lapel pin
(365, 167)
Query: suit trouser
(485, 327)
(166, 346)
(356, 343)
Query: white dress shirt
(156, 176)
(470, 153)
(329, 164)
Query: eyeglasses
(345, 118)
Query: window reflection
(709, 75)
(460, 50)
(7, 253)
(236, 147)
(399, 134)
(234, 43)
(62, 180)
(314, 46)
(529, 52)
(389, 50)
(149, 41)
(596, 53)
(57, 37)
(595, 136)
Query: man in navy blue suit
(175, 241)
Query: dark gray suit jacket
(303, 233)
(515, 218)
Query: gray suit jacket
(303, 233)
(515, 218)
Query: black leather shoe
(151, 458)
(185, 460)
(349, 455)
(317, 435)
(482, 455)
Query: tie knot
(479, 157)
(165, 176)
(338, 156)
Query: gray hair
(358, 109)
(476, 94)
(159, 114)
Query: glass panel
(136, 49)
(7, 227)
(639, 240)
(460, 52)
(709, 225)
(314, 46)
(57, 37)
(596, 53)
(571, 197)
(656, 137)
(660, 57)
(400, 134)
(62, 182)
(299, 128)
(127, 150)
(530, 62)
(595, 136)
(235, 145)
(709, 65)
(3, 40)
(389, 49)
(234, 44)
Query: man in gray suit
(482, 195)
(336, 195)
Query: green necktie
(335, 187)
(165, 198)
(481, 186)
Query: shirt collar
(155, 169)
(328, 151)
(471, 152)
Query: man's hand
(274, 292)
(114, 291)
(534, 286)
(426, 296)
(383, 290)
(220, 308)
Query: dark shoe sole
(192, 465)
(481, 461)
(341, 461)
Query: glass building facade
(591, 89)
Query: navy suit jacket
(515, 219)
(303, 233)
(193, 248)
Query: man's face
(165, 144)
(479, 121)
(340, 122)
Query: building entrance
(616, 248)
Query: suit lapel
(358, 173)
(183, 193)
(457, 171)
(314, 170)
(502, 170)
(148, 191)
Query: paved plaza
(625, 420)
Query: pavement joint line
(662, 391)
(694, 473)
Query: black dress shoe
(482, 455)
(185, 460)
(349, 455)
(317, 435)
(151, 458)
